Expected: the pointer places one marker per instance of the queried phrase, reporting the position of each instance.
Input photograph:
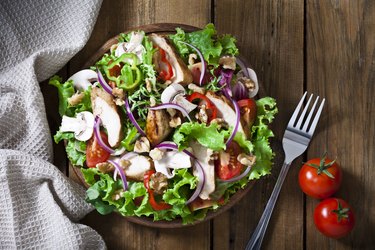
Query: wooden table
(323, 47)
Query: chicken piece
(203, 155)
(139, 165)
(104, 106)
(181, 73)
(157, 126)
(225, 110)
(172, 160)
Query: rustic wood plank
(114, 18)
(340, 66)
(270, 36)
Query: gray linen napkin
(39, 206)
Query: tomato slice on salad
(210, 106)
(95, 153)
(227, 166)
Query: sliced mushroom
(174, 93)
(172, 160)
(157, 126)
(82, 125)
(133, 46)
(82, 79)
(224, 109)
(181, 73)
(203, 155)
(139, 164)
(104, 107)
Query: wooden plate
(162, 28)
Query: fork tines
(297, 124)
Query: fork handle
(256, 239)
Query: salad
(166, 126)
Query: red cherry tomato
(320, 177)
(334, 218)
(227, 166)
(95, 153)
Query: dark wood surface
(325, 47)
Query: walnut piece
(196, 88)
(202, 114)
(247, 160)
(105, 167)
(158, 182)
(156, 154)
(76, 98)
(248, 83)
(228, 62)
(142, 145)
(175, 122)
(220, 122)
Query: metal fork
(296, 138)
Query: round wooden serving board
(162, 28)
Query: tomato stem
(323, 166)
(342, 213)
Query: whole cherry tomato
(320, 177)
(334, 217)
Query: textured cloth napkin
(39, 206)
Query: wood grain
(270, 35)
(340, 66)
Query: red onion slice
(103, 83)
(132, 119)
(243, 67)
(172, 106)
(122, 173)
(239, 177)
(238, 116)
(201, 175)
(99, 137)
(204, 66)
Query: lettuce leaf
(103, 188)
(261, 133)
(65, 91)
(207, 41)
(208, 136)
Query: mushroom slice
(82, 125)
(137, 168)
(181, 73)
(104, 107)
(157, 126)
(82, 79)
(133, 46)
(203, 155)
(174, 93)
(172, 160)
(225, 110)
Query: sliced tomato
(248, 110)
(210, 106)
(167, 72)
(227, 166)
(157, 206)
(95, 153)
